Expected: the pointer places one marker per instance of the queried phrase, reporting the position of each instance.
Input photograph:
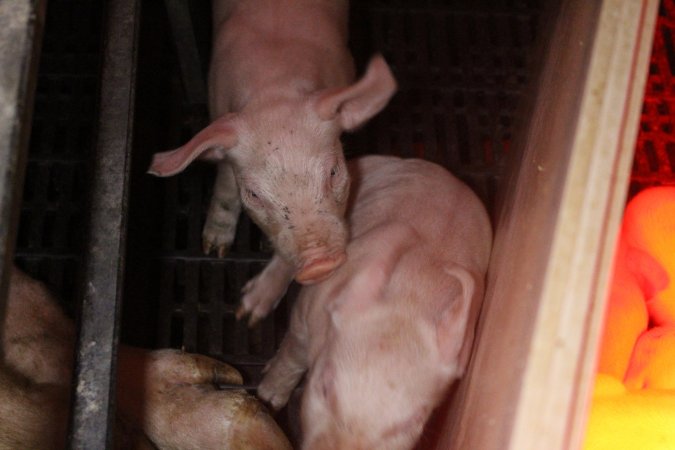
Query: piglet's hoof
(215, 244)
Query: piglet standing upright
(384, 337)
(281, 92)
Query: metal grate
(654, 161)
(49, 243)
(461, 67)
(66, 171)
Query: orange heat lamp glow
(633, 405)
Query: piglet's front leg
(221, 220)
(284, 371)
(263, 292)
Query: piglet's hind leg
(221, 220)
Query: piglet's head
(288, 161)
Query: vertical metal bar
(21, 27)
(186, 46)
(93, 407)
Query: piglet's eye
(334, 171)
(252, 197)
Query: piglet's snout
(319, 248)
(320, 268)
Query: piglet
(383, 338)
(649, 227)
(641, 291)
(281, 91)
(166, 399)
(636, 276)
(652, 364)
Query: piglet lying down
(166, 398)
(384, 337)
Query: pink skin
(281, 92)
(385, 336)
(166, 399)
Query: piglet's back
(442, 210)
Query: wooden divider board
(532, 370)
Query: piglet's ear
(220, 134)
(454, 332)
(649, 273)
(353, 105)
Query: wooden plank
(593, 202)
(531, 373)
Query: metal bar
(93, 408)
(21, 27)
(186, 48)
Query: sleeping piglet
(281, 92)
(383, 338)
(649, 227)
